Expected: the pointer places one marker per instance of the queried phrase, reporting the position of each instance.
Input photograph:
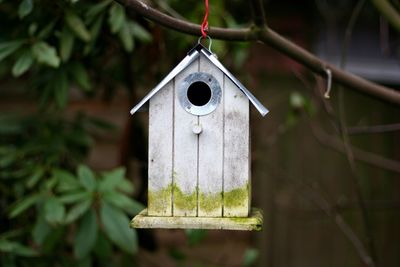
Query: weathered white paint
(160, 152)
(236, 152)
(251, 223)
(199, 165)
(185, 154)
(211, 152)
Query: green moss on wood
(210, 202)
(183, 201)
(238, 197)
(159, 202)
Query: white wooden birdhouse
(199, 148)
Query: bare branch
(319, 200)
(389, 12)
(359, 154)
(257, 10)
(356, 177)
(273, 39)
(373, 129)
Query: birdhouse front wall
(199, 175)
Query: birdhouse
(199, 148)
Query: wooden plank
(251, 223)
(185, 154)
(211, 153)
(160, 152)
(236, 152)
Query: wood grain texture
(236, 152)
(160, 152)
(185, 154)
(211, 153)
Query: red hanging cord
(204, 25)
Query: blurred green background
(73, 162)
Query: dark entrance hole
(199, 93)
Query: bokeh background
(73, 162)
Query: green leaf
(78, 210)
(7, 48)
(41, 230)
(117, 18)
(43, 34)
(94, 32)
(77, 26)
(86, 178)
(103, 247)
(45, 54)
(24, 204)
(50, 183)
(116, 226)
(86, 236)
(96, 9)
(139, 32)
(81, 76)
(126, 186)
(75, 197)
(37, 174)
(54, 210)
(250, 257)
(25, 7)
(61, 88)
(66, 181)
(123, 202)
(7, 160)
(16, 248)
(32, 28)
(23, 63)
(126, 37)
(66, 44)
(195, 236)
(111, 179)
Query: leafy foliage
(74, 206)
(53, 209)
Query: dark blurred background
(325, 172)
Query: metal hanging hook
(209, 39)
(328, 83)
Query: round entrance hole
(199, 93)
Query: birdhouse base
(251, 223)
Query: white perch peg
(197, 129)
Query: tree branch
(389, 12)
(359, 154)
(257, 10)
(373, 129)
(273, 39)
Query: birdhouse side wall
(237, 176)
(161, 109)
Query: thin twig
(359, 154)
(316, 197)
(355, 178)
(335, 143)
(373, 129)
(389, 12)
(257, 10)
(273, 39)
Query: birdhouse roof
(193, 54)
